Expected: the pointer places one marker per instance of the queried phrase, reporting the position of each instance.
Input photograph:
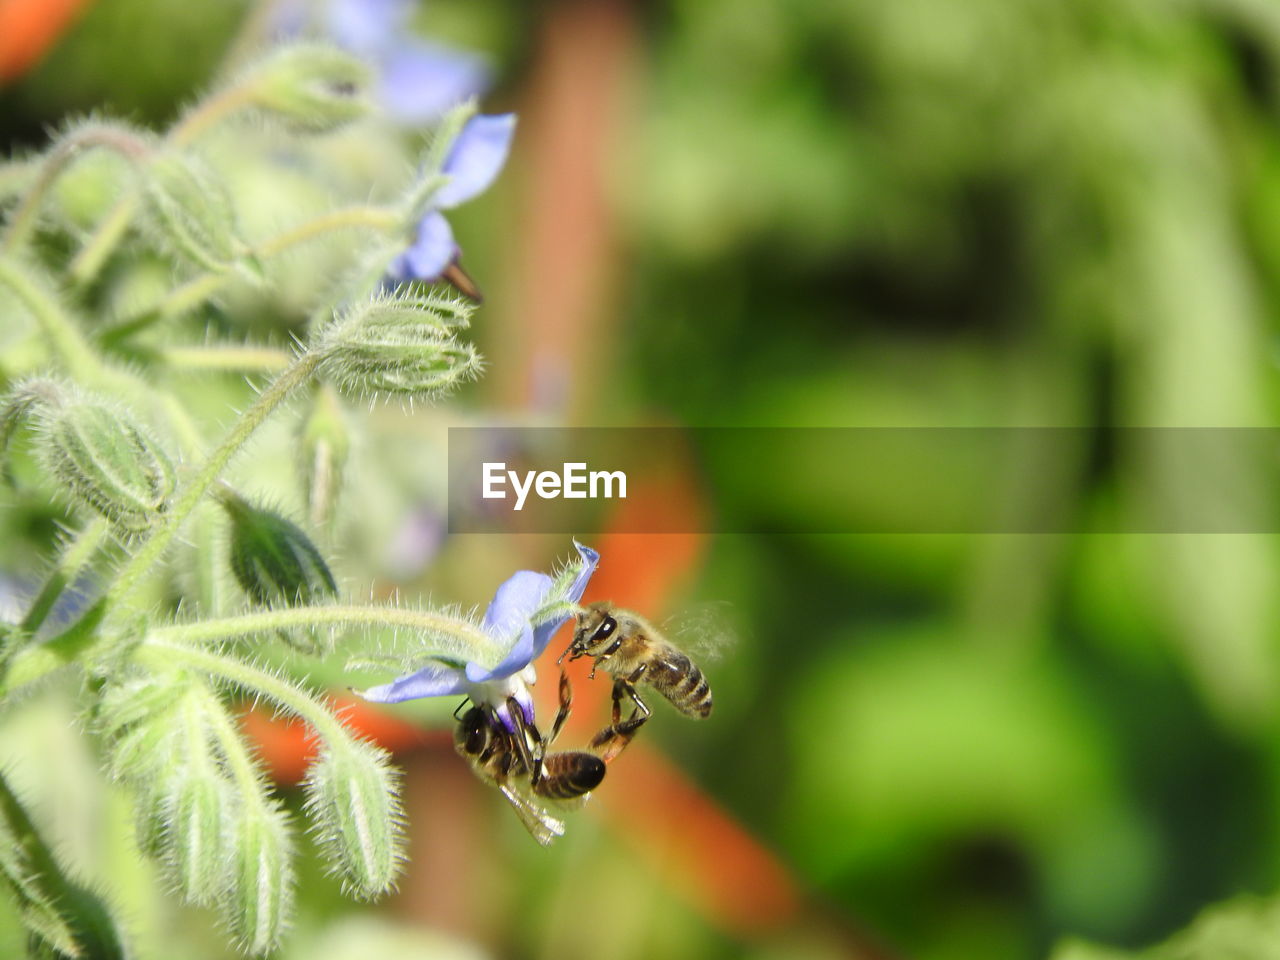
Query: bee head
(471, 735)
(595, 629)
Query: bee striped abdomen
(678, 679)
(570, 774)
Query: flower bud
(311, 87)
(400, 346)
(62, 917)
(273, 559)
(193, 211)
(260, 897)
(324, 447)
(104, 460)
(353, 796)
(197, 826)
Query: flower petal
(476, 158)
(525, 702)
(543, 633)
(517, 659)
(433, 680)
(514, 603)
(590, 560)
(430, 253)
(366, 26)
(421, 81)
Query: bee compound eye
(605, 630)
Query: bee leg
(458, 710)
(615, 738)
(524, 733)
(604, 655)
(566, 701)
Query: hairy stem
(123, 142)
(199, 289)
(89, 260)
(262, 359)
(232, 747)
(249, 679)
(147, 556)
(372, 218)
(65, 339)
(469, 641)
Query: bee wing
(571, 803)
(544, 827)
(703, 631)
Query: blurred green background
(861, 213)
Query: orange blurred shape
(287, 745)
(28, 28)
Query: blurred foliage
(924, 213)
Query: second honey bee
(503, 758)
(633, 652)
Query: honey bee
(525, 776)
(632, 651)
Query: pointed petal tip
(476, 158)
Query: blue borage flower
(419, 80)
(476, 157)
(524, 614)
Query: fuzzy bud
(193, 211)
(353, 797)
(399, 345)
(260, 898)
(273, 559)
(325, 445)
(104, 460)
(198, 804)
(311, 87)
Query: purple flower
(510, 620)
(475, 159)
(420, 81)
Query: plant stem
(209, 113)
(232, 748)
(375, 218)
(250, 679)
(78, 554)
(23, 218)
(228, 358)
(471, 643)
(74, 353)
(147, 556)
(68, 344)
(89, 260)
(191, 294)
(199, 289)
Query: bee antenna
(458, 709)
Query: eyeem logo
(572, 483)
